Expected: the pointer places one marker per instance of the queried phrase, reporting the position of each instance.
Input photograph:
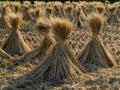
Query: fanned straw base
(15, 44)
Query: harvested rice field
(59, 46)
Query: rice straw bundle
(89, 9)
(112, 8)
(112, 18)
(83, 7)
(15, 44)
(36, 14)
(21, 1)
(37, 55)
(106, 11)
(117, 11)
(59, 66)
(39, 13)
(100, 8)
(26, 14)
(106, 26)
(48, 11)
(68, 12)
(94, 56)
(3, 22)
(16, 8)
(28, 22)
(31, 12)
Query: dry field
(56, 46)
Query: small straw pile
(59, 66)
(15, 45)
(95, 56)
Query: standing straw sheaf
(95, 56)
(100, 8)
(26, 15)
(39, 13)
(15, 44)
(117, 11)
(3, 22)
(59, 66)
(37, 55)
(112, 18)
